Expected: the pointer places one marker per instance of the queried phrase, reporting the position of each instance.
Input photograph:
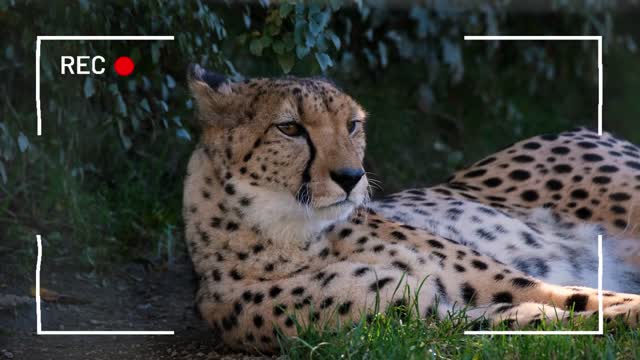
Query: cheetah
(281, 232)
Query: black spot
(493, 182)
(519, 175)
(530, 195)
(247, 157)
(480, 265)
(297, 291)
(289, 322)
(475, 173)
(522, 282)
(247, 295)
(486, 234)
(324, 253)
(523, 159)
(586, 145)
(530, 240)
(269, 267)
(503, 297)
(361, 271)
(215, 222)
(279, 309)
(275, 291)
(235, 275)
(619, 196)
(577, 301)
(401, 265)
(579, 194)
(468, 294)
(601, 180)
(258, 321)
(486, 161)
(622, 224)
(592, 157)
(216, 275)
(231, 226)
(363, 240)
(230, 189)
(459, 268)
(562, 168)
(442, 291)
(560, 150)
(343, 309)
(344, 233)
(398, 235)
(583, 213)
(435, 244)
(554, 185)
(378, 285)
(617, 209)
(633, 164)
(531, 145)
(608, 169)
(378, 248)
(328, 279)
(498, 277)
(326, 302)
(258, 297)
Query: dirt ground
(132, 298)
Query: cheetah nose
(347, 178)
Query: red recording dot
(124, 66)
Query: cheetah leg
(248, 316)
(530, 313)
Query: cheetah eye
(352, 125)
(292, 129)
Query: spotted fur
(280, 234)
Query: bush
(108, 171)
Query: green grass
(398, 333)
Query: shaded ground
(133, 298)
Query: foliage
(106, 175)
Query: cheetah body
(279, 232)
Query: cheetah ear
(217, 103)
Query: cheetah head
(291, 148)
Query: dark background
(103, 184)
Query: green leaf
(126, 141)
(155, 52)
(255, 46)
(302, 51)
(286, 61)
(384, 54)
(278, 47)
(88, 87)
(3, 172)
(183, 134)
(121, 106)
(335, 40)
(324, 60)
(246, 17)
(145, 105)
(23, 142)
(266, 41)
(171, 83)
(285, 9)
